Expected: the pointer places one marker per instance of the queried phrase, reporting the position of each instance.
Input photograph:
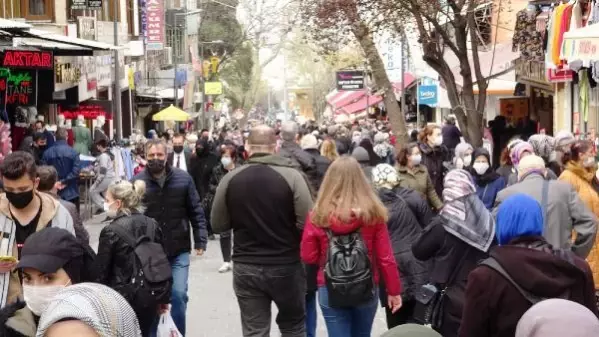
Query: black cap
(49, 250)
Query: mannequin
(61, 121)
(82, 136)
(70, 135)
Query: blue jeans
(180, 266)
(347, 322)
(311, 314)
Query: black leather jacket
(113, 265)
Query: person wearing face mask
(227, 164)
(463, 156)
(413, 175)
(434, 154)
(23, 211)
(201, 165)
(172, 200)
(114, 263)
(39, 146)
(488, 182)
(105, 175)
(562, 141)
(51, 260)
(179, 158)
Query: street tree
(338, 22)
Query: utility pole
(118, 116)
(175, 63)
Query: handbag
(430, 299)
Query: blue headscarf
(519, 215)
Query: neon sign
(25, 59)
(16, 79)
(16, 87)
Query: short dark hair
(102, 142)
(404, 153)
(203, 130)
(41, 122)
(61, 134)
(178, 135)
(39, 136)
(48, 177)
(18, 164)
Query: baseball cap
(49, 250)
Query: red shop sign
(89, 111)
(560, 75)
(27, 59)
(92, 84)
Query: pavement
(212, 310)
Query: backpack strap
(492, 263)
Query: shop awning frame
(89, 44)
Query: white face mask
(37, 298)
(438, 141)
(589, 162)
(226, 161)
(109, 212)
(481, 168)
(416, 159)
(467, 160)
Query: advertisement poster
(350, 80)
(428, 95)
(514, 109)
(155, 24)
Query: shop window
(107, 13)
(37, 9)
(10, 9)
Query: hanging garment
(526, 39)
(83, 140)
(576, 18)
(555, 34)
(584, 88)
(127, 163)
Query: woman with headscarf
(488, 182)
(88, 310)
(518, 152)
(558, 318)
(463, 156)
(507, 167)
(455, 242)
(562, 143)
(51, 260)
(493, 304)
(409, 213)
(383, 149)
(373, 158)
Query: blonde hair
(328, 149)
(345, 193)
(130, 195)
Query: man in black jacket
(309, 144)
(172, 200)
(290, 149)
(266, 257)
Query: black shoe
(211, 237)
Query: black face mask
(178, 148)
(156, 166)
(20, 200)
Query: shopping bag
(167, 327)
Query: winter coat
(494, 306)
(218, 172)
(200, 169)
(418, 179)
(488, 193)
(302, 159)
(506, 171)
(451, 136)
(314, 249)
(322, 165)
(434, 159)
(449, 256)
(566, 213)
(409, 214)
(581, 180)
(66, 162)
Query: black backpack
(348, 271)
(152, 278)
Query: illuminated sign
(17, 87)
(26, 59)
(90, 109)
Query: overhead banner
(213, 88)
(428, 95)
(350, 80)
(155, 24)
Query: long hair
(328, 149)
(345, 193)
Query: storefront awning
(497, 63)
(73, 41)
(581, 44)
(361, 104)
(172, 113)
(500, 86)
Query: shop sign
(86, 28)
(17, 86)
(78, 4)
(350, 80)
(532, 71)
(213, 88)
(143, 11)
(155, 24)
(581, 49)
(104, 70)
(560, 75)
(67, 73)
(27, 59)
(428, 95)
(89, 109)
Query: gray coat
(565, 212)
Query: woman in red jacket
(347, 204)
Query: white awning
(48, 36)
(581, 44)
(10, 24)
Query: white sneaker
(225, 267)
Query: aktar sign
(39, 60)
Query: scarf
(466, 217)
(580, 171)
(490, 175)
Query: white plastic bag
(167, 327)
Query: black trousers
(77, 204)
(403, 316)
(225, 245)
(257, 286)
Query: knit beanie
(558, 318)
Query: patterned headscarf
(518, 150)
(543, 145)
(384, 176)
(460, 153)
(96, 305)
(466, 217)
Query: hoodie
(558, 318)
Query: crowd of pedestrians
(446, 240)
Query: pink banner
(155, 25)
